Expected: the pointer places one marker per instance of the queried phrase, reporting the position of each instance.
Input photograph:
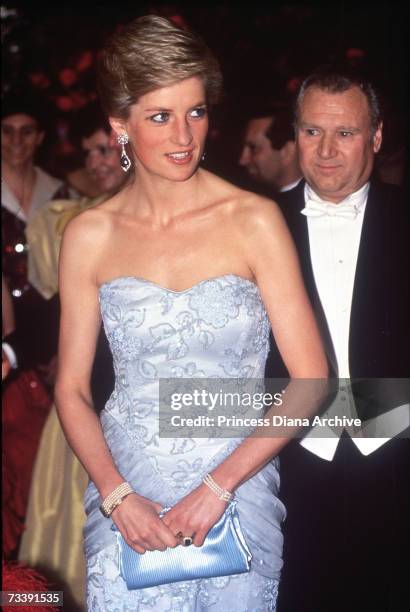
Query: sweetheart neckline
(195, 285)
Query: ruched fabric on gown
(216, 329)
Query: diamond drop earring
(125, 160)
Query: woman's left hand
(195, 514)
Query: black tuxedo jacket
(35, 338)
(379, 325)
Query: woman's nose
(182, 134)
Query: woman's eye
(160, 117)
(198, 112)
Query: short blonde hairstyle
(149, 53)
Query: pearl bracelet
(223, 494)
(115, 498)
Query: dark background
(265, 48)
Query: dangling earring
(203, 156)
(125, 160)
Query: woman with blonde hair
(186, 272)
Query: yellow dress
(53, 541)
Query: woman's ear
(113, 139)
(117, 125)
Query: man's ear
(377, 138)
(288, 151)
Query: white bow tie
(315, 208)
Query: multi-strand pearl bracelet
(115, 498)
(223, 494)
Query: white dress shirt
(290, 185)
(334, 246)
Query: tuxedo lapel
(367, 283)
(379, 313)
(291, 205)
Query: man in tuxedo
(269, 150)
(348, 498)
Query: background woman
(186, 269)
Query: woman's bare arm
(136, 517)
(275, 265)
(80, 322)
(272, 259)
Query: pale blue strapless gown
(217, 328)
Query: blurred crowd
(59, 156)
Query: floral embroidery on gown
(217, 328)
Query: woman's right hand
(138, 520)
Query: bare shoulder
(255, 216)
(246, 207)
(91, 227)
(85, 240)
(258, 211)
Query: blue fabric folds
(223, 553)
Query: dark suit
(345, 531)
(102, 375)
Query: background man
(269, 150)
(348, 506)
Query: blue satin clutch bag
(223, 553)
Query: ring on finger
(187, 540)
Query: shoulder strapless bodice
(217, 328)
